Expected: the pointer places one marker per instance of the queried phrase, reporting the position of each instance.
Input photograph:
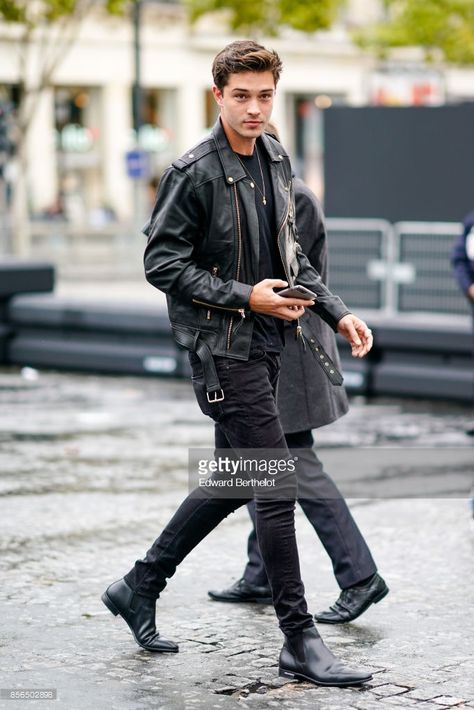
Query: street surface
(92, 467)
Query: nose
(253, 107)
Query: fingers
(357, 334)
(274, 283)
(351, 334)
(288, 313)
(365, 338)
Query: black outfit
(206, 211)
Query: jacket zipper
(214, 271)
(299, 329)
(237, 271)
(211, 306)
(221, 308)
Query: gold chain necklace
(254, 182)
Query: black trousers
(248, 419)
(328, 513)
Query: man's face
(246, 104)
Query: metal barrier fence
(404, 267)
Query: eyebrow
(247, 91)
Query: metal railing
(394, 268)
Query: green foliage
(268, 16)
(444, 27)
(12, 11)
(35, 13)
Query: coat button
(190, 155)
(230, 179)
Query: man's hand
(470, 292)
(356, 332)
(263, 299)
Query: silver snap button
(190, 155)
(230, 179)
(252, 185)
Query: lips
(252, 124)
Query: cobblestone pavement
(92, 467)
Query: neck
(238, 143)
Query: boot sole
(292, 675)
(116, 612)
(381, 595)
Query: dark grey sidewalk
(92, 467)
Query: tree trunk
(21, 235)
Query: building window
(77, 120)
(157, 134)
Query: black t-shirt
(268, 332)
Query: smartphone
(298, 292)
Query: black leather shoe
(242, 591)
(139, 613)
(353, 601)
(305, 657)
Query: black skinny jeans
(248, 418)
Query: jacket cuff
(242, 293)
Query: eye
(240, 97)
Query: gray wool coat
(306, 398)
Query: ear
(217, 93)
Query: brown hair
(242, 56)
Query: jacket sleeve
(174, 231)
(328, 306)
(311, 228)
(461, 264)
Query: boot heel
(109, 604)
(286, 674)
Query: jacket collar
(233, 169)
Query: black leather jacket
(195, 252)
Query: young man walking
(221, 239)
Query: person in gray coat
(308, 400)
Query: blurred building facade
(83, 126)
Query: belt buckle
(216, 396)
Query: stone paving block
(448, 701)
(388, 689)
